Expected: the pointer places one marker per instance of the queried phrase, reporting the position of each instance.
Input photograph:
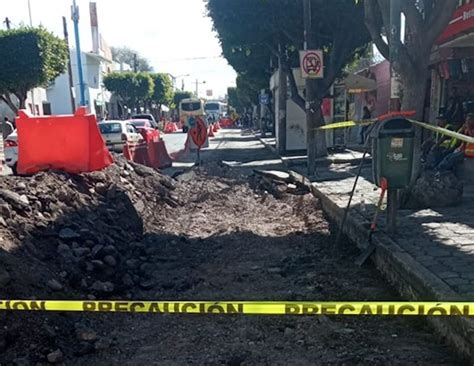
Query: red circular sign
(199, 132)
(312, 63)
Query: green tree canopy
(31, 57)
(252, 33)
(127, 55)
(133, 88)
(163, 89)
(179, 96)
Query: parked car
(11, 150)
(141, 123)
(117, 133)
(149, 117)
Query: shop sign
(462, 22)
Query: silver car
(117, 133)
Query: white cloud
(167, 32)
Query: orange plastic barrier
(170, 127)
(226, 122)
(151, 152)
(210, 133)
(71, 143)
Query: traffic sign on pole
(312, 64)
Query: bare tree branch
(370, 7)
(413, 15)
(295, 95)
(6, 98)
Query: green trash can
(393, 142)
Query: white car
(117, 133)
(10, 145)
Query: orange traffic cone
(215, 128)
(210, 133)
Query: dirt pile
(80, 233)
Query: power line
(190, 59)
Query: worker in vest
(462, 149)
(436, 148)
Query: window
(47, 109)
(191, 107)
(110, 127)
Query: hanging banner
(312, 64)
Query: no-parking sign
(312, 64)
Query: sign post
(198, 133)
(312, 64)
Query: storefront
(452, 68)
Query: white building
(36, 103)
(94, 67)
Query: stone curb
(412, 280)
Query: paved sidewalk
(431, 258)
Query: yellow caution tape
(346, 124)
(248, 307)
(444, 131)
(440, 130)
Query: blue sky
(167, 32)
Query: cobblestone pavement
(442, 240)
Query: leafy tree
(133, 88)
(234, 100)
(127, 55)
(32, 57)
(425, 21)
(274, 29)
(163, 89)
(179, 96)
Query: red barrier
(169, 127)
(210, 133)
(71, 143)
(151, 152)
(226, 123)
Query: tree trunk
(414, 94)
(282, 99)
(6, 98)
(315, 139)
(22, 100)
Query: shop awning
(359, 84)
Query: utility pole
(395, 43)
(29, 13)
(197, 87)
(75, 18)
(7, 23)
(32, 90)
(315, 139)
(69, 66)
(135, 63)
(282, 99)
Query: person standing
(7, 128)
(461, 150)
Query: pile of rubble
(79, 234)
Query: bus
(215, 109)
(192, 107)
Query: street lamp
(176, 77)
(197, 87)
